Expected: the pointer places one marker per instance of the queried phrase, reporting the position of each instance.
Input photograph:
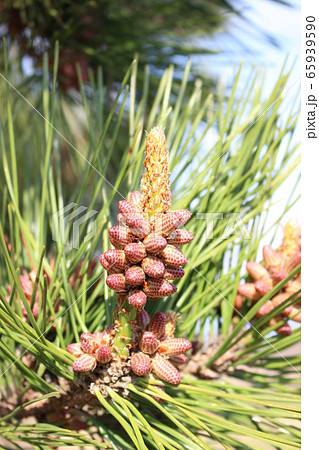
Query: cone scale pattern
(85, 363)
(137, 299)
(140, 364)
(174, 346)
(157, 288)
(157, 324)
(104, 354)
(148, 343)
(153, 267)
(75, 349)
(180, 237)
(165, 370)
(135, 252)
(154, 243)
(142, 319)
(88, 342)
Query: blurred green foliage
(109, 32)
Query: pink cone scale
(256, 270)
(238, 302)
(278, 275)
(293, 262)
(116, 258)
(137, 299)
(140, 364)
(284, 330)
(116, 282)
(271, 257)
(173, 273)
(142, 319)
(110, 268)
(279, 299)
(293, 286)
(75, 349)
(157, 324)
(88, 342)
(121, 235)
(165, 224)
(139, 226)
(126, 207)
(263, 286)
(155, 289)
(173, 256)
(165, 370)
(180, 237)
(135, 252)
(106, 265)
(154, 243)
(103, 354)
(135, 276)
(178, 359)
(85, 363)
(174, 346)
(248, 290)
(265, 309)
(148, 343)
(183, 216)
(153, 267)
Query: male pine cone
(148, 236)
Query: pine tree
(238, 387)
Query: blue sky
(284, 25)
